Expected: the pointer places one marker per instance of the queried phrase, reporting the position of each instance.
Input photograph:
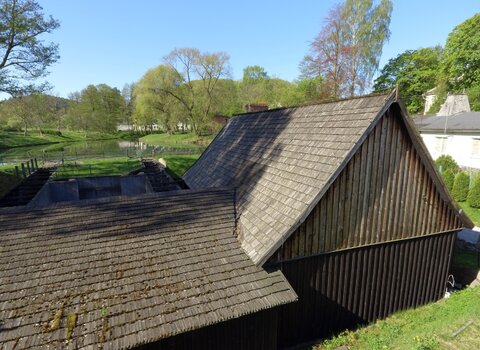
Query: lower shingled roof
(122, 272)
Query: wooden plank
(342, 194)
(365, 232)
(335, 215)
(315, 218)
(323, 226)
(354, 207)
(386, 177)
(347, 194)
(373, 190)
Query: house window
(441, 144)
(475, 147)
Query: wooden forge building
(345, 200)
(298, 222)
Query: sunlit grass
(428, 327)
(177, 165)
(178, 140)
(97, 167)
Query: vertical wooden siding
(342, 289)
(385, 193)
(257, 331)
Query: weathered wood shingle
(280, 161)
(126, 271)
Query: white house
(457, 135)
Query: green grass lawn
(472, 213)
(427, 327)
(97, 167)
(178, 140)
(11, 139)
(177, 165)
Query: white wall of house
(465, 149)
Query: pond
(91, 149)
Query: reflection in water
(89, 149)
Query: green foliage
(446, 162)
(461, 57)
(460, 187)
(441, 95)
(425, 327)
(449, 178)
(25, 57)
(473, 198)
(415, 72)
(474, 97)
(472, 213)
(347, 50)
(97, 108)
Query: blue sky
(117, 41)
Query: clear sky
(117, 41)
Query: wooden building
(298, 222)
(344, 199)
(156, 271)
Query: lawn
(177, 165)
(179, 140)
(11, 139)
(472, 213)
(428, 327)
(97, 167)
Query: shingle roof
(281, 160)
(466, 123)
(125, 271)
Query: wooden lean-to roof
(283, 161)
(121, 272)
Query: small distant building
(220, 119)
(456, 135)
(256, 107)
(455, 103)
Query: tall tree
(415, 72)
(347, 50)
(24, 57)
(198, 74)
(461, 57)
(154, 103)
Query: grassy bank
(97, 167)
(428, 327)
(178, 140)
(177, 165)
(11, 139)
(472, 213)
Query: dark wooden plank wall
(342, 289)
(385, 193)
(257, 331)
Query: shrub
(460, 187)
(473, 198)
(449, 178)
(446, 162)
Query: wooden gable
(384, 193)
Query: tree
(473, 198)
(446, 162)
(461, 57)
(347, 50)
(154, 103)
(24, 57)
(460, 187)
(449, 179)
(414, 72)
(96, 108)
